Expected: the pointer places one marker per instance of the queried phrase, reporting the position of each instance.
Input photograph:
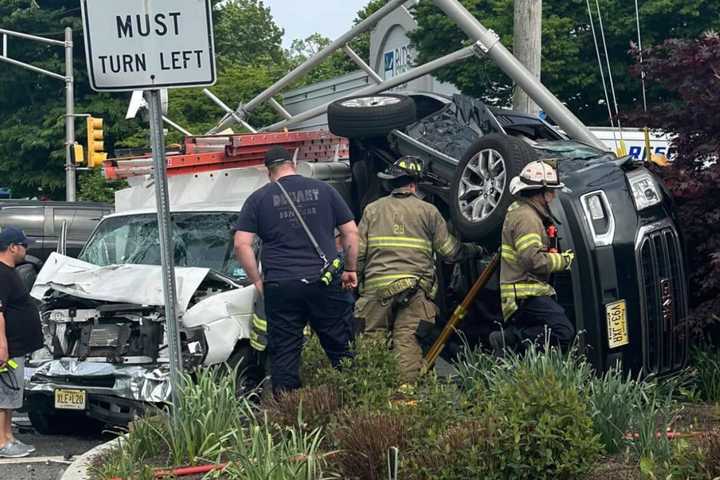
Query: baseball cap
(12, 235)
(277, 155)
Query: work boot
(14, 450)
(499, 341)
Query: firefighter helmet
(536, 175)
(407, 166)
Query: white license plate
(66, 399)
(616, 317)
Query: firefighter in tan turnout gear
(528, 259)
(399, 235)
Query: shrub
(363, 439)
(207, 416)
(308, 408)
(261, 452)
(463, 451)
(615, 401)
(711, 453)
(545, 428)
(707, 366)
(369, 379)
(436, 406)
(314, 360)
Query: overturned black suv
(627, 291)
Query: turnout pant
(382, 316)
(290, 306)
(535, 314)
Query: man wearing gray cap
(303, 274)
(20, 334)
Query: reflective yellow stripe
(415, 240)
(508, 253)
(383, 280)
(556, 262)
(259, 324)
(258, 342)
(448, 247)
(526, 241)
(522, 290)
(508, 308)
(381, 245)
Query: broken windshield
(201, 240)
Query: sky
(301, 18)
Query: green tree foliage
(32, 132)
(569, 67)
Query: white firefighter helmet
(536, 175)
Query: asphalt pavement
(54, 452)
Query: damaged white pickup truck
(103, 315)
(106, 354)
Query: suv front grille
(663, 301)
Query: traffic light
(95, 144)
(78, 154)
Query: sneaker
(30, 448)
(14, 450)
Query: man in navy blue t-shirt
(292, 266)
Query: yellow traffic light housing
(95, 142)
(78, 154)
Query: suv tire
(370, 116)
(480, 193)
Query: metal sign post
(167, 250)
(149, 45)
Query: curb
(78, 470)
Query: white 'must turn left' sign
(148, 44)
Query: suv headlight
(644, 189)
(599, 217)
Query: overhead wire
(602, 73)
(610, 78)
(640, 50)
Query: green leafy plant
(545, 428)
(369, 379)
(262, 452)
(205, 419)
(615, 401)
(707, 366)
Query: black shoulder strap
(309, 234)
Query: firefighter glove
(568, 257)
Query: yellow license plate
(616, 316)
(70, 399)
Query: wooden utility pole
(527, 47)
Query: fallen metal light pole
(517, 72)
(410, 75)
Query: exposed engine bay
(92, 321)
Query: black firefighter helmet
(407, 166)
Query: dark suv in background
(42, 222)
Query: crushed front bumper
(146, 384)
